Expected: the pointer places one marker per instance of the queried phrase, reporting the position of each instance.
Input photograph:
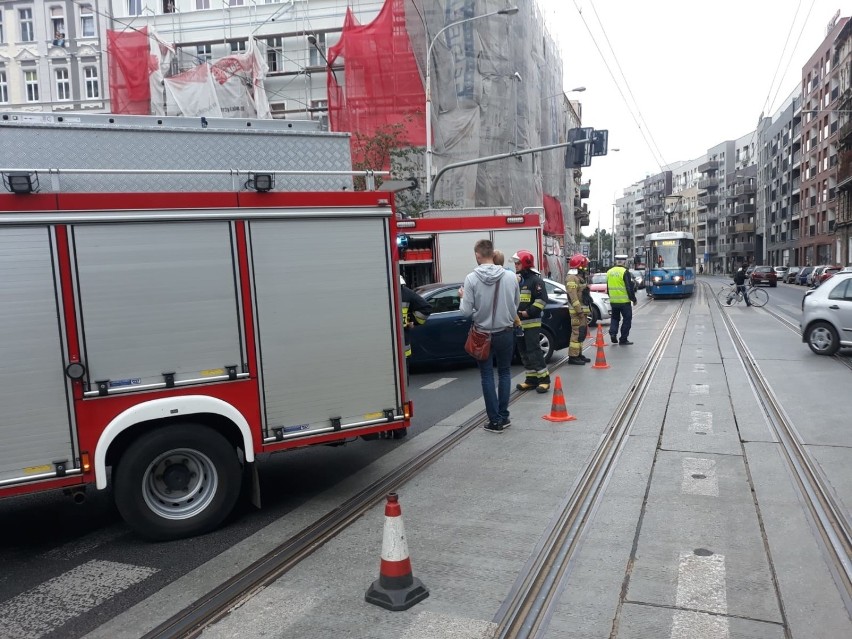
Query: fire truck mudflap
(171, 345)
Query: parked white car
(826, 323)
(601, 310)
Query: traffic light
(578, 154)
(600, 141)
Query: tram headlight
(677, 279)
(657, 279)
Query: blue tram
(669, 264)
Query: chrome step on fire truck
(158, 342)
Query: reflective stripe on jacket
(533, 298)
(616, 286)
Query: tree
(599, 238)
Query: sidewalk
(473, 518)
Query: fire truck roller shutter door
(34, 428)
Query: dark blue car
(441, 339)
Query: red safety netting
(129, 55)
(382, 85)
(554, 223)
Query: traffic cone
(600, 358)
(599, 340)
(396, 588)
(558, 411)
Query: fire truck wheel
(177, 481)
(399, 433)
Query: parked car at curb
(781, 272)
(827, 273)
(813, 276)
(764, 275)
(441, 339)
(601, 310)
(598, 283)
(826, 322)
(802, 277)
(792, 274)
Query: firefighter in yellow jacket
(530, 310)
(579, 306)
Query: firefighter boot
(579, 360)
(529, 384)
(543, 385)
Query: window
(842, 291)
(2, 37)
(134, 7)
(25, 16)
(202, 4)
(31, 83)
(236, 3)
(273, 53)
(315, 58)
(4, 86)
(87, 21)
(204, 53)
(93, 89)
(238, 46)
(63, 85)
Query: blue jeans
(497, 400)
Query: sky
(692, 74)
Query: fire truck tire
(177, 481)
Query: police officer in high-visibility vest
(579, 307)
(622, 298)
(415, 310)
(530, 310)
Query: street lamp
(502, 12)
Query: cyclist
(740, 281)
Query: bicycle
(729, 295)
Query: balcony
(712, 231)
(708, 200)
(745, 189)
(742, 247)
(711, 166)
(707, 217)
(709, 183)
(584, 190)
(584, 221)
(743, 209)
(744, 228)
(701, 234)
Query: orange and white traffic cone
(599, 340)
(396, 588)
(600, 357)
(558, 410)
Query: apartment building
(779, 182)
(843, 227)
(52, 55)
(820, 127)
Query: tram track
(214, 606)
(527, 610)
(826, 513)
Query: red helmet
(525, 258)
(578, 260)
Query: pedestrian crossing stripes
(438, 383)
(43, 609)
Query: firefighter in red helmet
(579, 306)
(530, 310)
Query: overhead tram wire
(795, 46)
(627, 84)
(659, 160)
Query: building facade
(843, 227)
(52, 55)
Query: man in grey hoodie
(493, 310)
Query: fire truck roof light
(406, 224)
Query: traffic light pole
(501, 156)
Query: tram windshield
(672, 254)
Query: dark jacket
(533, 298)
(414, 310)
(740, 276)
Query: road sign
(585, 247)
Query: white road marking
(49, 605)
(700, 586)
(701, 583)
(699, 389)
(428, 625)
(84, 544)
(699, 353)
(690, 625)
(702, 421)
(699, 368)
(438, 383)
(699, 477)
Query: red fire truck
(438, 247)
(158, 342)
